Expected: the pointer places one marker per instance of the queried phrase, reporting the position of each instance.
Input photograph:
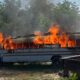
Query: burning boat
(38, 46)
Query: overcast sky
(56, 1)
(76, 1)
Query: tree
(38, 15)
(65, 14)
(9, 16)
(1, 15)
(41, 13)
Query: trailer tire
(56, 60)
(1, 62)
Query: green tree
(41, 13)
(9, 16)
(1, 15)
(66, 14)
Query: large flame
(56, 36)
(6, 43)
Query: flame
(38, 39)
(8, 43)
(63, 40)
(55, 38)
(1, 39)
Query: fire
(53, 38)
(1, 38)
(6, 43)
(63, 40)
(56, 36)
(38, 38)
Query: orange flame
(55, 38)
(8, 43)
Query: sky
(76, 1)
(56, 1)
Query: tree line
(17, 19)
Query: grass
(31, 72)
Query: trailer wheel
(1, 62)
(0, 59)
(56, 60)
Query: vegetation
(66, 14)
(39, 77)
(17, 19)
(33, 72)
(72, 77)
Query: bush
(72, 77)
